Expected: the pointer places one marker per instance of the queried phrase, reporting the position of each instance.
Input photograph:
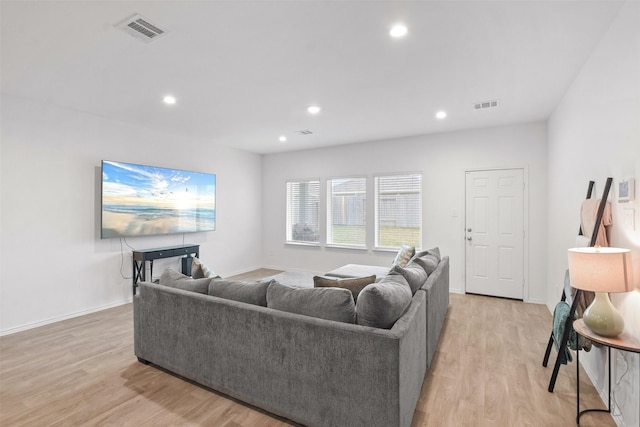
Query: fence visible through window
(398, 216)
(346, 211)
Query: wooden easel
(569, 323)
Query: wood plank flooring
(487, 372)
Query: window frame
(289, 222)
(376, 215)
(329, 212)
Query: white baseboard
(61, 318)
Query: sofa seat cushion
(413, 273)
(324, 303)
(381, 304)
(355, 285)
(175, 279)
(250, 293)
(359, 270)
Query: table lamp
(601, 270)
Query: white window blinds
(398, 214)
(346, 211)
(303, 208)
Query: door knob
(469, 229)
(469, 238)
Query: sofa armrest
(437, 289)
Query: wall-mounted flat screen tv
(140, 200)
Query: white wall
(594, 133)
(442, 159)
(54, 264)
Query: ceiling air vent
(485, 104)
(140, 28)
(304, 132)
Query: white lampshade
(601, 269)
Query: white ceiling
(244, 72)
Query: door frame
(525, 226)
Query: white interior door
(494, 232)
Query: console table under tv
(140, 259)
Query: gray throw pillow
(355, 285)
(324, 303)
(404, 255)
(175, 279)
(381, 304)
(199, 270)
(250, 293)
(433, 251)
(414, 273)
(429, 262)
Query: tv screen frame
(143, 200)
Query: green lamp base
(603, 318)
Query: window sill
(352, 248)
(386, 250)
(303, 244)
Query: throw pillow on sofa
(404, 255)
(324, 303)
(250, 293)
(175, 279)
(413, 273)
(199, 270)
(355, 285)
(381, 304)
(428, 259)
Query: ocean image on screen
(146, 200)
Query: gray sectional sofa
(311, 370)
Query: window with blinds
(303, 209)
(346, 211)
(398, 211)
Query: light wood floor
(487, 372)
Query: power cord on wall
(615, 410)
(122, 257)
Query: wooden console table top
(624, 341)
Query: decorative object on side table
(602, 270)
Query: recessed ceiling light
(282, 138)
(398, 31)
(314, 109)
(169, 100)
(441, 115)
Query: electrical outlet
(629, 219)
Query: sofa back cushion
(355, 285)
(250, 293)
(324, 303)
(175, 279)
(381, 304)
(428, 259)
(413, 273)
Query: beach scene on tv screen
(146, 200)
